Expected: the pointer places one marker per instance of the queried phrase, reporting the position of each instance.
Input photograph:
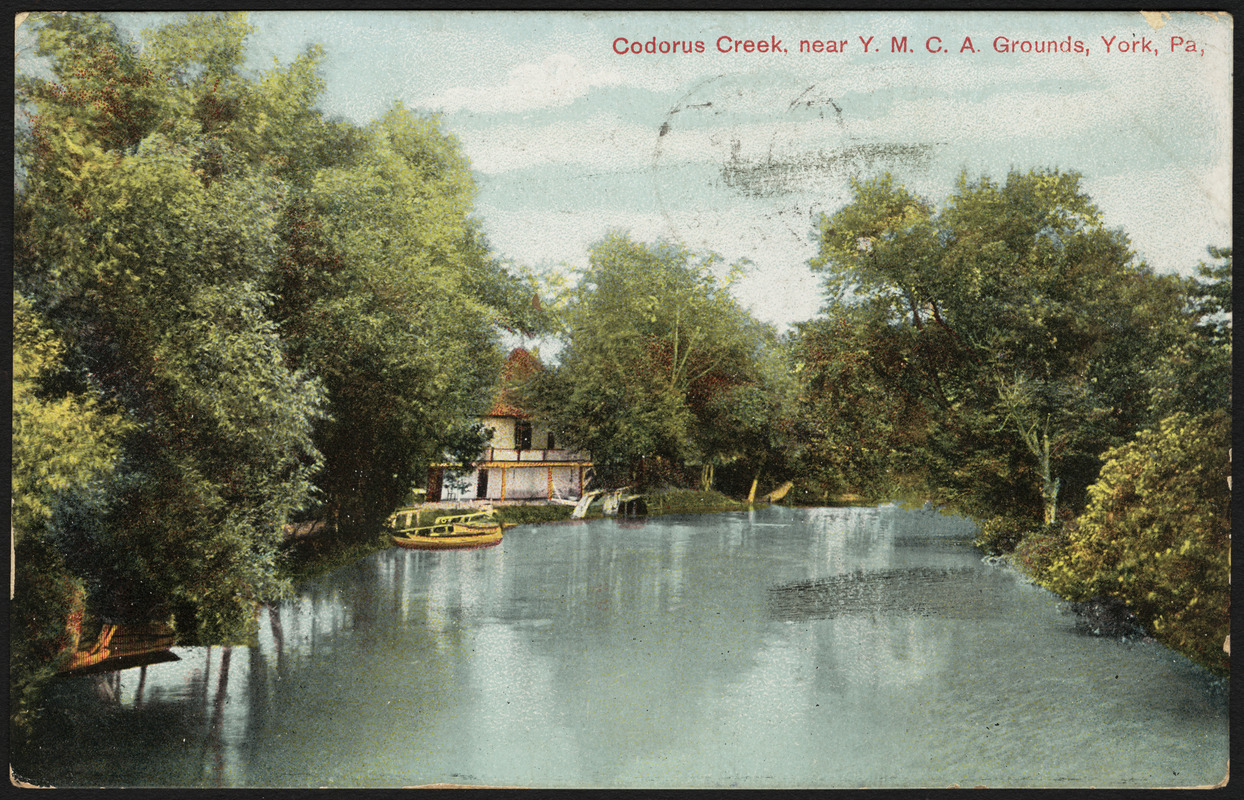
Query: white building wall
(502, 431)
(527, 483)
(520, 483)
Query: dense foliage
(1000, 340)
(231, 312)
(1157, 535)
(662, 369)
(1008, 357)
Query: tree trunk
(706, 478)
(1049, 488)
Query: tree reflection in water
(831, 647)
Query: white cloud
(556, 81)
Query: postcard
(592, 399)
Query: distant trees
(661, 368)
(231, 312)
(1009, 327)
(1193, 374)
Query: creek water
(776, 648)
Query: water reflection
(828, 647)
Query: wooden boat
(455, 532)
(407, 519)
(449, 537)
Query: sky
(739, 152)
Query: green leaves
(145, 238)
(656, 346)
(390, 294)
(1156, 534)
(1019, 325)
(59, 442)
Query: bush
(45, 625)
(307, 557)
(1002, 534)
(1036, 552)
(1156, 535)
(530, 514)
(690, 501)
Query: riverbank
(1103, 617)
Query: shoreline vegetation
(310, 551)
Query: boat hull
(459, 537)
(471, 542)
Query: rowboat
(407, 519)
(456, 532)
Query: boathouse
(524, 459)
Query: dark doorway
(481, 486)
(522, 433)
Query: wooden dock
(123, 645)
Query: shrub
(1037, 551)
(1156, 535)
(531, 514)
(1001, 534)
(45, 625)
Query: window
(552, 445)
(522, 435)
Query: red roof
(519, 365)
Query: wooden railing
(512, 454)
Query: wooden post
(550, 494)
(503, 472)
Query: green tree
(293, 314)
(60, 442)
(654, 345)
(64, 445)
(1194, 373)
(144, 238)
(746, 426)
(390, 294)
(1025, 321)
(859, 414)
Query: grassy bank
(690, 501)
(532, 514)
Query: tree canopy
(661, 366)
(1011, 321)
(232, 312)
(259, 313)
